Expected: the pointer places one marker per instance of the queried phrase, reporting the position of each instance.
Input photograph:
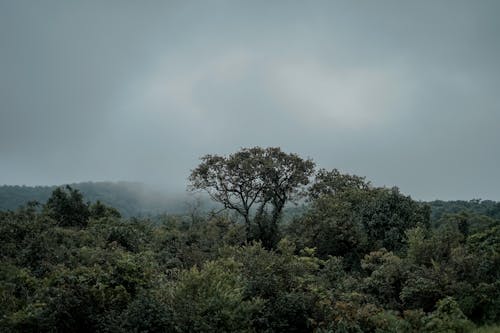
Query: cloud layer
(406, 93)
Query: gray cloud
(405, 93)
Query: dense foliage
(475, 206)
(256, 184)
(357, 259)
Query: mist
(404, 93)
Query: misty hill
(130, 198)
(137, 199)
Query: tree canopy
(356, 258)
(256, 183)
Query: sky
(406, 93)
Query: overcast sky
(406, 93)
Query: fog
(405, 93)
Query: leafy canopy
(254, 182)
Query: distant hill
(482, 207)
(137, 199)
(130, 198)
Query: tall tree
(256, 183)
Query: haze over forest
(404, 93)
(325, 166)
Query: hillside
(137, 199)
(130, 198)
(439, 208)
(360, 260)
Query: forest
(287, 247)
(131, 199)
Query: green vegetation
(487, 329)
(356, 258)
(129, 198)
(475, 206)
